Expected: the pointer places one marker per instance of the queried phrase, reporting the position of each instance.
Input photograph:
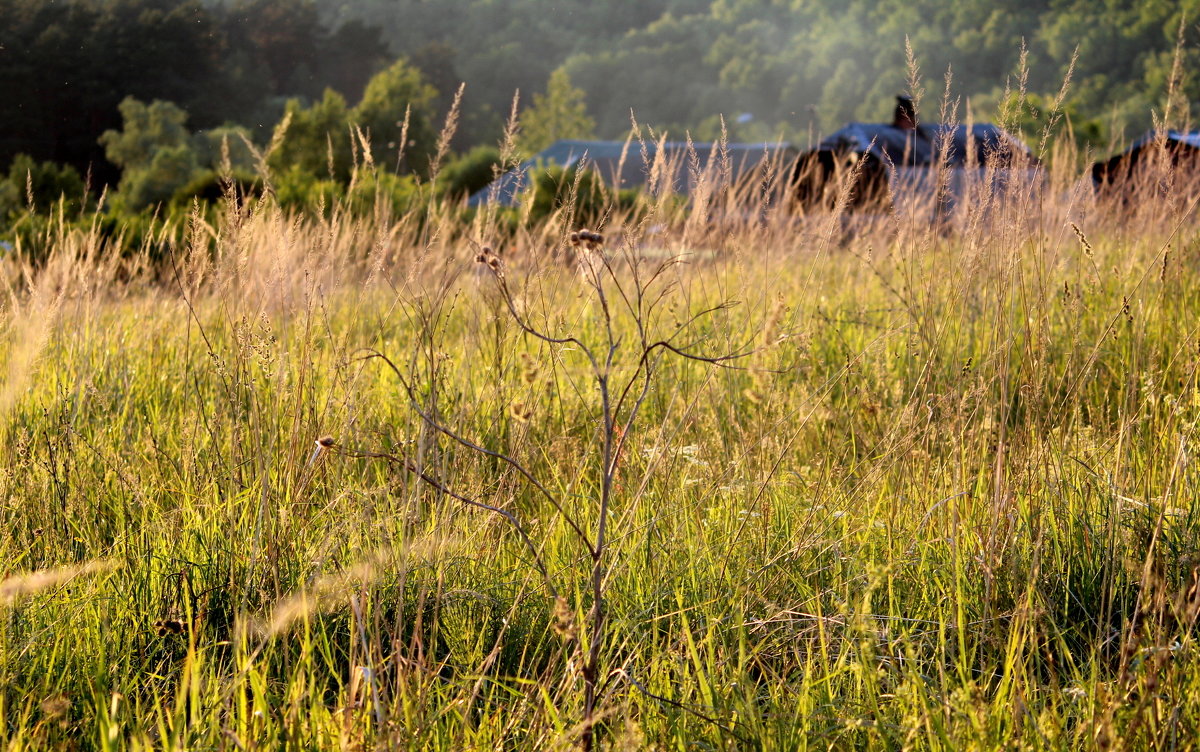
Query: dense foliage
(792, 64)
(149, 100)
(65, 67)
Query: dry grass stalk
(31, 583)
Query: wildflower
(587, 238)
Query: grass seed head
(29, 583)
(1083, 241)
(564, 619)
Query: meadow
(722, 475)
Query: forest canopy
(73, 74)
(790, 65)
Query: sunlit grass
(948, 502)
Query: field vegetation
(719, 474)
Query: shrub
(552, 188)
(299, 190)
(210, 186)
(468, 173)
(380, 189)
(45, 183)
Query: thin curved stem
(428, 479)
(475, 447)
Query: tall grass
(947, 501)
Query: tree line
(792, 67)
(151, 99)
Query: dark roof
(622, 165)
(1189, 138)
(981, 143)
(1122, 164)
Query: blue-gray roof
(627, 164)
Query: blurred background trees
(559, 113)
(140, 94)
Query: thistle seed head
(586, 238)
(520, 412)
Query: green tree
(559, 113)
(215, 144)
(146, 128)
(316, 139)
(285, 48)
(64, 68)
(42, 184)
(499, 47)
(659, 72)
(322, 140)
(154, 150)
(171, 168)
(390, 94)
(470, 172)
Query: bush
(469, 173)
(378, 189)
(211, 187)
(552, 188)
(47, 183)
(10, 201)
(298, 190)
(171, 169)
(118, 231)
